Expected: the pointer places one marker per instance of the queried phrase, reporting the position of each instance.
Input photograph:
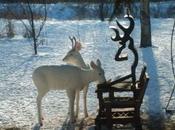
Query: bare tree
(145, 24)
(10, 29)
(33, 30)
(118, 7)
(172, 67)
(104, 9)
(101, 6)
(33, 13)
(9, 25)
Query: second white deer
(65, 77)
(74, 57)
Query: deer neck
(81, 63)
(88, 76)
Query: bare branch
(172, 59)
(28, 12)
(172, 65)
(45, 18)
(17, 17)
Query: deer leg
(77, 103)
(71, 96)
(39, 99)
(85, 90)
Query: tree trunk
(32, 24)
(145, 24)
(10, 29)
(35, 45)
(34, 38)
(101, 6)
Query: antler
(72, 41)
(75, 44)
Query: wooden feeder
(113, 109)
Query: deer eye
(100, 74)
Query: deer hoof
(76, 116)
(72, 121)
(41, 123)
(86, 115)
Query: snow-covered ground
(17, 62)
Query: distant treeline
(78, 1)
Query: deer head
(73, 56)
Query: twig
(172, 66)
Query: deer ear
(93, 65)
(78, 46)
(98, 63)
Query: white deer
(65, 77)
(74, 57)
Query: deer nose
(64, 59)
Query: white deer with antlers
(74, 57)
(65, 77)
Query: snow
(17, 62)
